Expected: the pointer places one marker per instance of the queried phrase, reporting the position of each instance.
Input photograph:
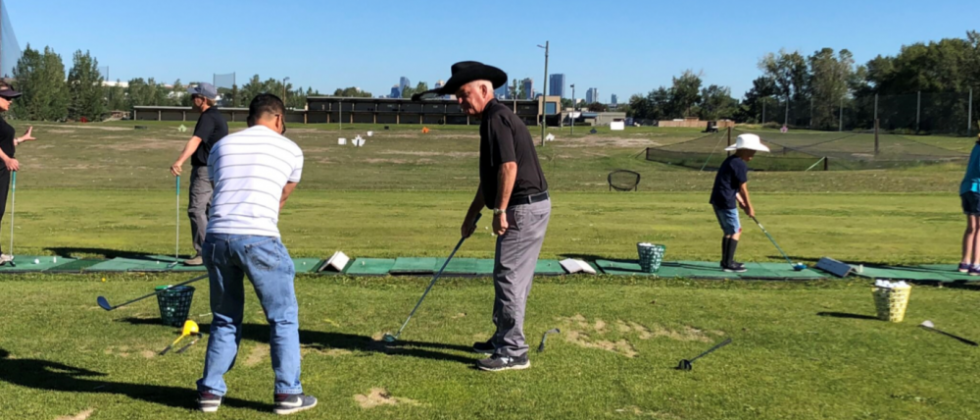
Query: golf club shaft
(772, 240)
(954, 336)
(161, 290)
(13, 207)
(177, 224)
(716, 347)
(427, 289)
(436, 278)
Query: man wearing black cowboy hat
(513, 185)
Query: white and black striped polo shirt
(249, 170)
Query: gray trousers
(199, 205)
(513, 270)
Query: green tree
(717, 103)
(116, 96)
(41, 77)
(763, 87)
(180, 95)
(685, 95)
(790, 73)
(250, 90)
(830, 81)
(352, 92)
(87, 97)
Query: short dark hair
(263, 104)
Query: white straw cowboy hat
(748, 141)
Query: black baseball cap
(8, 92)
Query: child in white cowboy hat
(731, 188)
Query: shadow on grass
(53, 376)
(70, 252)
(321, 340)
(847, 315)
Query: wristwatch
(498, 212)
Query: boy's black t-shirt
(732, 174)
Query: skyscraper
(614, 100)
(501, 92)
(403, 83)
(396, 91)
(592, 95)
(556, 85)
(528, 88)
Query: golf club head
(685, 365)
(103, 303)
(388, 338)
(927, 324)
(190, 327)
(545, 336)
(799, 267)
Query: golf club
(104, 304)
(796, 266)
(545, 336)
(930, 326)
(190, 328)
(177, 223)
(183, 349)
(688, 364)
(388, 338)
(13, 212)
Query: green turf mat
(130, 264)
(936, 272)
(75, 266)
(370, 267)
(464, 266)
(306, 265)
(415, 266)
(25, 263)
(709, 270)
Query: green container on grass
(651, 256)
(175, 304)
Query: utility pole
(544, 94)
(573, 109)
(284, 80)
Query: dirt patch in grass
(257, 354)
(95, 127)
(581, 332)
(606, 142)
(636, 411)
(148, 354)
(59, 131)
(458, 316)
(423, 153)
(380, 396)
(145, 144)
(325, 351)
(80, 416)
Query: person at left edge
(8, 145)
(211, 127)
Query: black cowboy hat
(465, 72)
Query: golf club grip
(178, 184)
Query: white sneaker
(6, 258)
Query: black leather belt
(528, 199)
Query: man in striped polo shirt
(253, 172)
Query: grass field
(104, 189)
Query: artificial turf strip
(25, 263)
(75, 266)
(939, 273)
(710, 270)
(464, 266)
(370, 267)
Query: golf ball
(37, 261)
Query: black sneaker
(293, 403)
(736, 267)
(208, 402)
(485, 347)
(497, 363)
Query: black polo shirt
(504, 138)
(732, 174)
(211, 127)
(7, 134)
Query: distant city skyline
(614, 100)
(592, 95)
(556, 85)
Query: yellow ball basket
(891, 303)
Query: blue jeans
(264, 259)
(728, 219)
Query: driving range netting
(810, 150)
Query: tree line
(816, 87)
(51, 95)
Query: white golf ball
(37, 261)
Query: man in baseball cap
(210, 128)
(731, 188)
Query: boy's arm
(743, 197)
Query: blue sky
(621, 47)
